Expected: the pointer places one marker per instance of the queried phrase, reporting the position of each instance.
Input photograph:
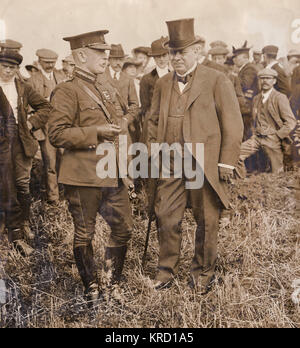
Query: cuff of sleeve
(222, 165)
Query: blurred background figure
(270, 59)
(218, 52)
(141, 55)
(131, 68)
(257, 60)
(68, 66)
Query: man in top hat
(193, 105)
(44, 82)
(16, 100)
(274, 121)
(257, 57)
(247, 74)
(218, 52)
(68, 66)
(270, 55)
(162, 60)
(85, 114)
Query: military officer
(194, 105)
(85, 115)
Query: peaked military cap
(131, 61)
(218, 50)
(218, 44)
(94, 40)
(142, 49)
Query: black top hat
(157, 48)
(94, 40)
(243, 49)
(117, 51)
(181, 33)
(11, 57)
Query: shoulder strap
(97, 100)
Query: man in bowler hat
(193, 104)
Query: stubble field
(259, 259)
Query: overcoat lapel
(197, 86)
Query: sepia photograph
(150, 166)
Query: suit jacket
(126, 88)
(279, 109)
(212, 117)
(28, 99)
(282, 85)
(249, 83)
(146, 92)
(8, 126)
(37, 81)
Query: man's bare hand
(108, 131)
(226, 174)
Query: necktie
(184, 79)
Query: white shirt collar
(112, 73)
(48, 76)
(162, 72)
(270, 66)
(266, 95)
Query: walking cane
(151, 210)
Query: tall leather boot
(84, 258)
(114, 263)
(25, 203)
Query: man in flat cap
(44, 82)
(193, 105)
(248, 77)
(86, 114)
(162, 60)
(18, 97)
(274, 121)
(270, 58)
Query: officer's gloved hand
(226, 174)
(108, 132)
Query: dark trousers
(111, 202)
(9, 205)
(171, 201)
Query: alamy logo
(163, 161)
